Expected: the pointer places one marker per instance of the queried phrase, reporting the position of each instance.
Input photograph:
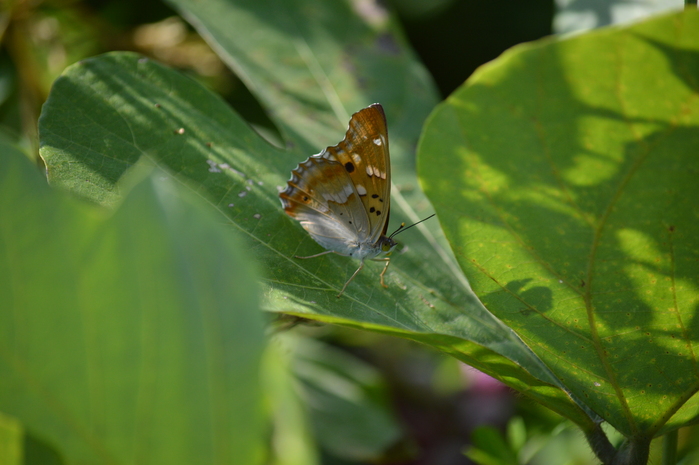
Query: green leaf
(105, 113)
(565, 177)
(11, 435)
(314, 63)
(516, 433)
(126, 336)
(490, 448)
(347, 399)
(293, 442)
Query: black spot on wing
(349, 167)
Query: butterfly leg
(361, 265)
(388, 262)
(316, 255)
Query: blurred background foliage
(443, 412)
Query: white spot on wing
(361, 190)
(378, 141)
(356, 158)
(369, 170)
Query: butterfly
(342, 195)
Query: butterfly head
(386, 244)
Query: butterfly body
(341, 196)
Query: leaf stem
(670, 448)
(600, 445)
(634, 451)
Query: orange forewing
(364, 154)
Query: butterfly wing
(322, 197)
(363, 154)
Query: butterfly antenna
(404, 228)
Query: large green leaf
(126, 337)
(105, 113)
(312, 63)
(347, 399)
(11, 434)
(565, 177)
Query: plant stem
(670, 448)
(600, 445)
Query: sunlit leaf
(565, 177)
